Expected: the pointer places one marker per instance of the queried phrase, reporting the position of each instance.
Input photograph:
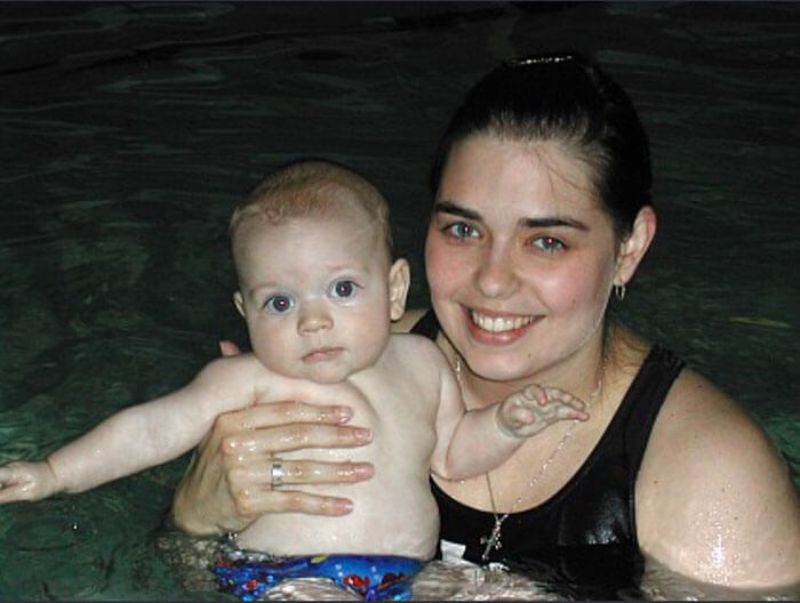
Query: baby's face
(315, 293)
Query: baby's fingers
(6, 478)
(11, 493)
(15, 484)
(533, 393)
(559, 396)
(566, 413)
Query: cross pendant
(492, 541)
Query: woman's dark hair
(568, 99)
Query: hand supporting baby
(527, 412)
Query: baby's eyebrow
(258, 287)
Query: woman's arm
(714, 500)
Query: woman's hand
(228, 484)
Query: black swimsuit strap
(644, 399)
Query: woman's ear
(238, 301)
(634, 248)
(399, 282)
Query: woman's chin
(498, 367)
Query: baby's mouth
(321, 354)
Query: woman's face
(520, 256)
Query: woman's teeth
(499, 324)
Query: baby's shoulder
(413, 359)
(230, 367)
(412, 347)
(243, 371)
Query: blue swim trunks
(373, 577)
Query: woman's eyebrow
(448, 207)
(552, 222)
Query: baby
(318, 290)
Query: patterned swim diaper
(248, 575)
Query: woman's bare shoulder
(698, 415)
(714, 500)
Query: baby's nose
(314, 318)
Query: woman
(542, 214)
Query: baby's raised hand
(531, 410)
(26, 481)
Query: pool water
(130, 130)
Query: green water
(129, 131)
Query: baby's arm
(135, 438)
(473, 442)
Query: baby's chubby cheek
(280, 363)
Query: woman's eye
(344, 289)
(549, 244)
(461, 230)
(278, 304)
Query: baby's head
(317, 286)
(313, 189)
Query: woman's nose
(496, 277)
(314, 317)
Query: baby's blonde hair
(316, 189)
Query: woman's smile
(497, 328)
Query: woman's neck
(580, 374)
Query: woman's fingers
(257, 502)
(228, 348)
(294, 437)
(267, 429)
(254, 492)
(229, 484)
(281, 413)
(298, 473)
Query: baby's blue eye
(344, 289)
(278, 304)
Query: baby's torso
(394, 512)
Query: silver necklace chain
(494, 539)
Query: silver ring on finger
(276, 473)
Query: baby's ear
(399, 282)
(238, 301)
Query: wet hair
(569, 100)
(312, 188)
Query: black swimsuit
(592, 519)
